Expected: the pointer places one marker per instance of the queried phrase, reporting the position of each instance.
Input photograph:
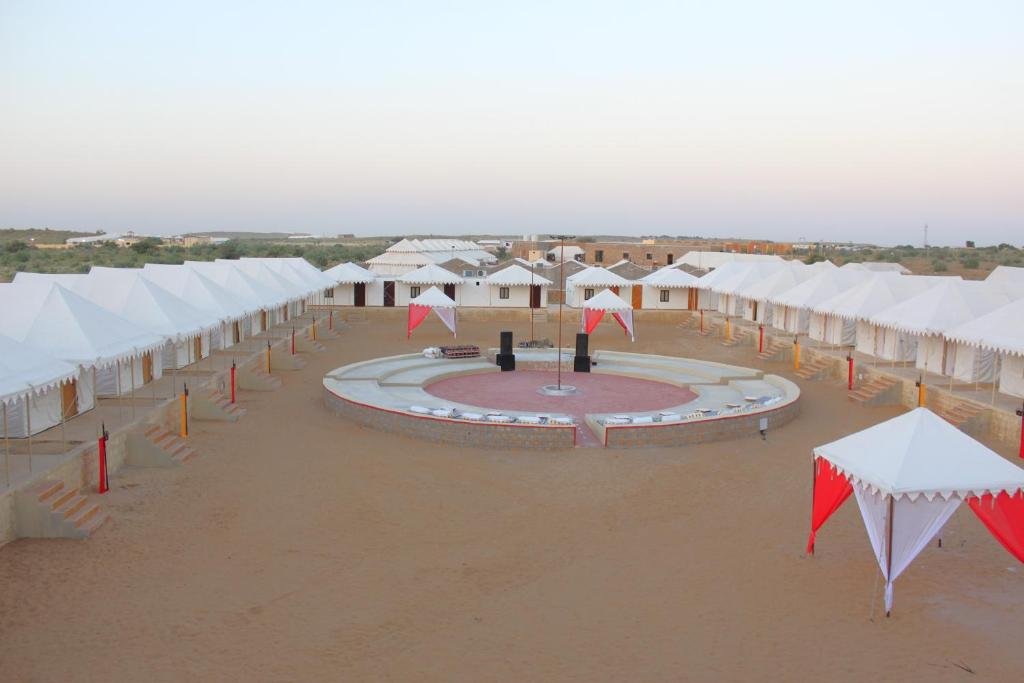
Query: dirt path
(299, 546)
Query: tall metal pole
(561, 300)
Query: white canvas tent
(592, 278)
(515, 282)
(73, 329)
(203, 293)
(258, 297)
(913, 329)
(909, 475)
(127, 293)
(791, 310)
(607, 301)
(31, 398)
(729, 289)
(756, 295)
(678, 283)
(977, 343)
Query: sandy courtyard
(301, 547)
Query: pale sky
(851, 121)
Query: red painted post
(849, 372)
(330, 320)
(293, 341)
(1021, 413)
(760, 338)
(104, 483)
(232, 381)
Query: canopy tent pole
(888, 555)
(28, 418)
(7, 450)
(63, 429)
(121, 407)
(132, 392)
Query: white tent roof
(245, 287)
(286, 288)
(716, 259)
(434, 298)
(306, 277)
(919, 453)
(1006, 274)
(669, 277)
(607, 300)
(197, 289)
(753, 273)
(70, 280)
(1001, 330)
(25, 370)
(595, 276)
(571, 252)
(431, 274)
(516, 275)
(942, 307)
(133, 297)
(876, 294)
(349, 273)
(777, 282)
(69, 327)
(822, 286)
(725, 271)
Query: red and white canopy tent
(607, 301)
(432, 299)
(909, 475)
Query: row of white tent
(68, 339)
(971, 331)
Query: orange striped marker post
(293, 341)
(268, 356)
(330, 320)
(760, 338)
(920, 392)
(233, 381)
(849, 372)
(184, 412)
(796, 353)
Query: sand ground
(301, 547)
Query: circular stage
(627, 400)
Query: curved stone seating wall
(389, 394)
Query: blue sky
(858, 121)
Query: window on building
(480, 273)
(599, 256)
(649, 256)
(467, 273)
(670, 260)
(329, 293)
(664, 296)
(414, 292)
(588, 294)
(625, 256)
(502, 292)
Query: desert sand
(302, 547)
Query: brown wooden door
(638, 296)
(360, 294)
(69, 399)
(147, 368)
(389, 292)
(449, 291)
(615, 290)
(197, 347)
(263, 321)
(534, 296)
(236, 332)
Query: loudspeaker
(581, 364)
(506, 342)
(582, 342)
(506, 361)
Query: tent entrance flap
(830, 491)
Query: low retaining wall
(699, 431)
(460, 432)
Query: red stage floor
(596, 394)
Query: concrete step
(871, 389)
(814, 369)
(52, 510)
(739, 336)
(772, 350)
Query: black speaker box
(581, 364)
(582, 342)
(506, 361)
